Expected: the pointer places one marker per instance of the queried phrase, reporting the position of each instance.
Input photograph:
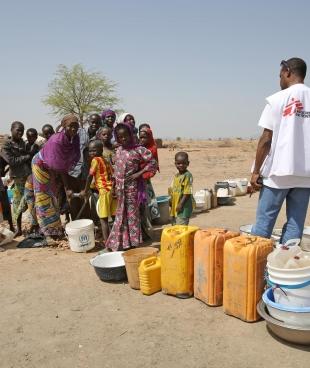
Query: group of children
(114, 165)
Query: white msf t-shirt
(287, 114)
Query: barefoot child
(101, 176)
(181, 191)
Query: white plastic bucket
(242, 184)
(232, 187)
(81, 235)
(239, 186)
(287, 282)
(203, 200)
(8, 235)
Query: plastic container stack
(288, 298)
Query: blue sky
(190, 68)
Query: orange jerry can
(177, 260)
(245, 259)
(208, 264)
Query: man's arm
(262, 151)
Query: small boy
(101, 176)
(181, 191)
(105, 136)
(31, 145)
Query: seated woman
(59, 154)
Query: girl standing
(130, 191)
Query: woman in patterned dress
(59, 154)
(130, 190)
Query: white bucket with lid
(81, 235)
(288, 286)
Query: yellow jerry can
(245, 259)
(177, 260)
(149, 275)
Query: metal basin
(109, 266)
(294, 334)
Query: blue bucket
(162, 199)
(163, 206)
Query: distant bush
(226, 143)
(178, 139)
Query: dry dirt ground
(55, 312)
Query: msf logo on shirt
(294, 106)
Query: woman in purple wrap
(59, 154)
(129, 185)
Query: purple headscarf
(107, 113)
(61, 154)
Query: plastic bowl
(294, 334)
(109, 266)
(297, 316)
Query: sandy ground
(55, 312)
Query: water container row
(236, 187)
(216, 266)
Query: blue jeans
(269, 205)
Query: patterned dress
(43, 195)
(126, 231)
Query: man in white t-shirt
(282, 164)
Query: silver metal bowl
(294, 334)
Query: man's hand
(255, 184)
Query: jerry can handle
(149, 261)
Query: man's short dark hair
(182, 155)
(32, 131)
(48, 126)
(297, 66)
